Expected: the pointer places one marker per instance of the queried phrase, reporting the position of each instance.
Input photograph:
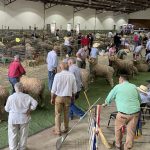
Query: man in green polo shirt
(127, 101)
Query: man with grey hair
(63, 88)
(73, 68)
(19, 107)
(15, 71)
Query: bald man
(64, 87)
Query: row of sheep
(35, 86)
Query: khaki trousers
(130, 121)
(62, 104)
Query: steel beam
(49, 5)
(7, 2)
(77, 9)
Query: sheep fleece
(32, 85)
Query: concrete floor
(78, 138)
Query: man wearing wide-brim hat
(144, 94)
(93, 56)
(94, 50)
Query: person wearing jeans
(15, 71)
(75, 70)
(52, 63)
(127, 100)
(74, 109)
(19, 107)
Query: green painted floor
(44, 118)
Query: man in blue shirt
(52, 63)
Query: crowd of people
(65, 85)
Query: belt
(129, 114)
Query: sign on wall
(69, 27)
(78, 28)
(53, 27)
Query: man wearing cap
(127, 101)
(52, 63)
(94, 57)
(15, 71)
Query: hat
(95, 45)
(142, 89)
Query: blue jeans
(74, 109)
(51, 75)
(69, 50)
(13, 81)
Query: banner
(78, 28)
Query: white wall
(25, 13)
(86, 18)
(140, 14)
(21, 14)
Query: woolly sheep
(3, 97)
(34, 87)
(141, 66)
(102, 71)
(122, 65)
(85, 75)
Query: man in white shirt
(74, 69)
(110, 34)
(52, 63)
(82, 54)
(63, 88)
(148, 44)
(19, 106)
(67, 44)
